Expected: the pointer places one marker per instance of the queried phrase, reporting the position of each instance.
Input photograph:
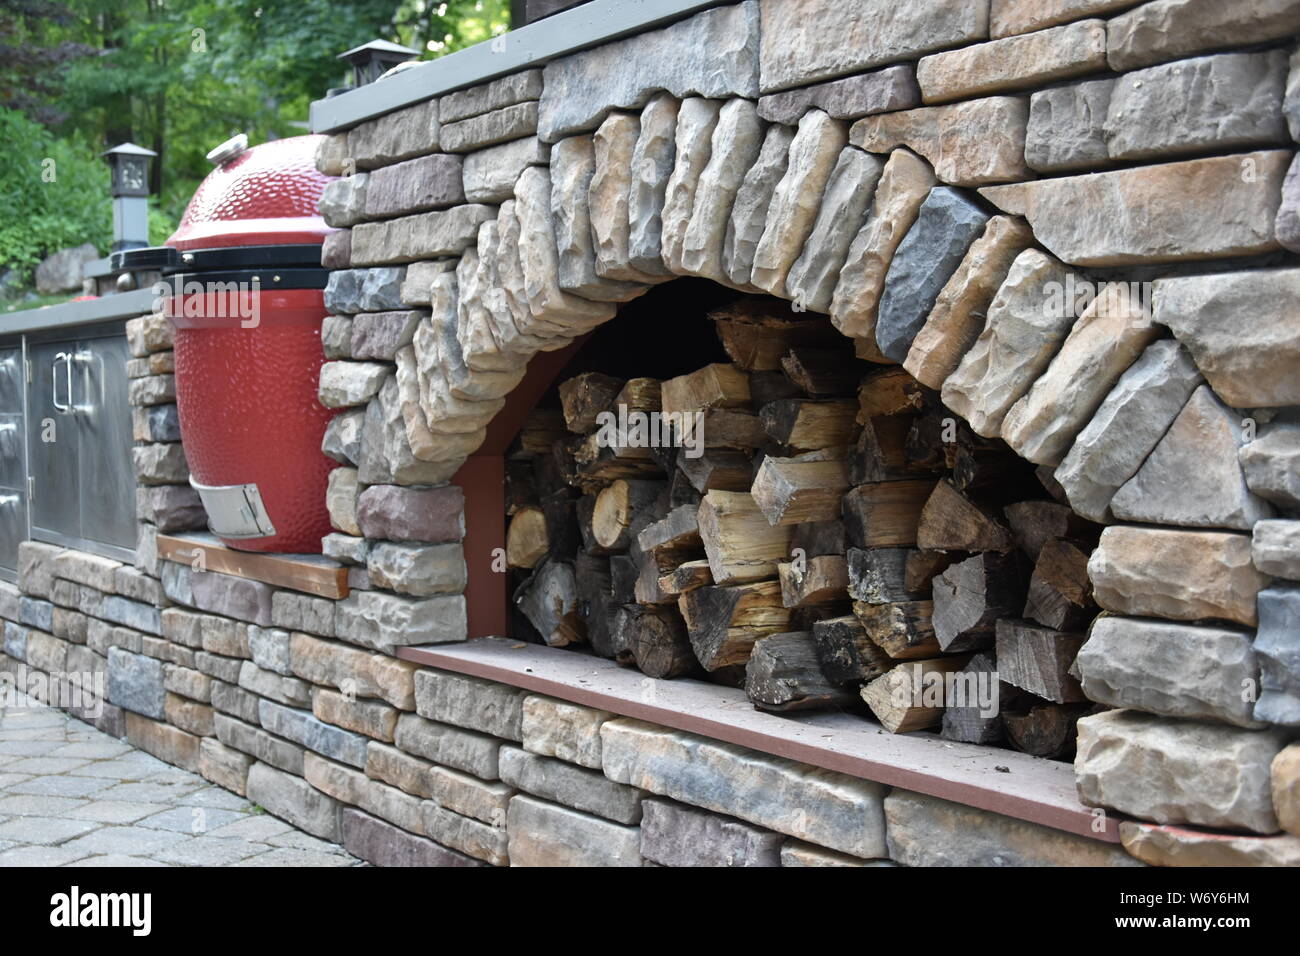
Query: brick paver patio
(71, 795)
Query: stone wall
(411, 766)
(929, 176)
(927, 179)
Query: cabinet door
(13, 470)
(103, 416)
(53, 454)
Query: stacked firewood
(815, 528)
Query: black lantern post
(130, 190)
(372, 60)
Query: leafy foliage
(180, 76)
(53, 194)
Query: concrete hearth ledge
(1027, 788)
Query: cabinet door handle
(89, 359)
(62, 408)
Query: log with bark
(912, 695)
(738, 541)
(813, 581)
(784, 673)
(622, 509)
(526, 540)
(724, 622)
(885, 514)
(803, 424)
(903, 630)
(952, 521)
(797, 490)
(549, 599)
(846, 651)
(1045, 730)
(657, 639)
(585, 396)
(1038, 660)
(1060, 591)
(972, 595)
(757, 331)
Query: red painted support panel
(483, 480)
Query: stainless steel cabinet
(79, 442)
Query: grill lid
(263, 195)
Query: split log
(971, 595)
(563, 537)
(623, 509)
(585, 396)
(1045, 730)
(521, 485)
(950, 521)
(542, 429)
(756, 333)
(912, 695)
(977, 717)
(805, 424)
(717, 469)
(715, 386)
(728, 428)
(881, 452)
(822, 371)
(648, 571)
(923, 567)
(846, 651)
(674, 536)
(783, 673)
(680, 490)
(724, 622)
(931, 441)
(526, 540)
(640, 395)
(879, 576)
(815, 538)
(814, 581)
(686, 577)
(885, 514)
(738, 541)
(1038, 660)
(657, 638)
(904, 630)
(591, 573)
(1060, 592)
(975, 469)
(796, 490)
(600, 463)
(549, 599)
(1034, 523)
(890, 391)
(584, 510)
(559, 469)
(768, 387)
(623, 572)
(621, 623)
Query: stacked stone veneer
(924, 174)
(926, 179)
(412, 766)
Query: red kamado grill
(247, 305)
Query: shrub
(53, 194)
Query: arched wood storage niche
(715, 487)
